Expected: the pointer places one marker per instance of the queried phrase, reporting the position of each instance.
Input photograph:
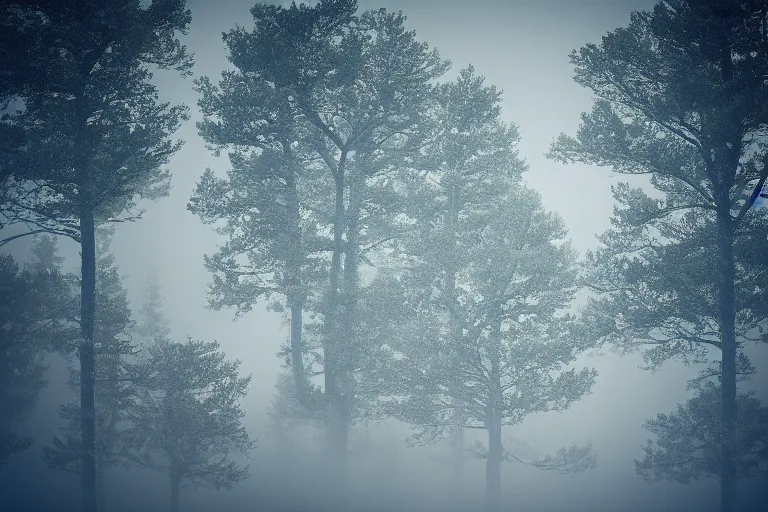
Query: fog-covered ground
(522, 47)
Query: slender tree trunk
(493, 464)
(728, 340)
(493, 424)
(336, 435)
(297, 352)
(175, 485)
(347, 328)
(455, 333)
(87, 363)
(457, 446)
(296, 295)
(346, 333)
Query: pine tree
(510, 353)
(681, 96)
(95, 138)
(189, 416)
(152, 324)
(687, 444)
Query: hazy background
(520, 46)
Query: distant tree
(293, 430)
(36, 312)
(189, 416)
(95, 138)
(470, 162)
(116, 374)
(512, 347)
(152, 323)
(681, 96)
(338, 96)
(687, 444)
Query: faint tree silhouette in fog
(513, 347)
(439, 203)
(466, 317)
(152, 324)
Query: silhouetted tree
(189, 416)
(95, 138)
(680, 96)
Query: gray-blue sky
(522, 47)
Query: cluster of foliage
(37, 310)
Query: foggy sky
(521, 47)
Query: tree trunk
(728, 365)
(493, 464)
(457, 434)
(297, 354)
(346, 323)
(493, 424)
(335, 433)
(175, 485)
(87, 364)
(457, 445)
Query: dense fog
(415, 431)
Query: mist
(522, 48)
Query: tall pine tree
(94, 137)
(681, 96)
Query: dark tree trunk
(87, 363)
(728, 340)
(101, 498)
(297, 353)
(175, 485)
(346, 337)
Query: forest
(369, 199)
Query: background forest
(383, 256)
